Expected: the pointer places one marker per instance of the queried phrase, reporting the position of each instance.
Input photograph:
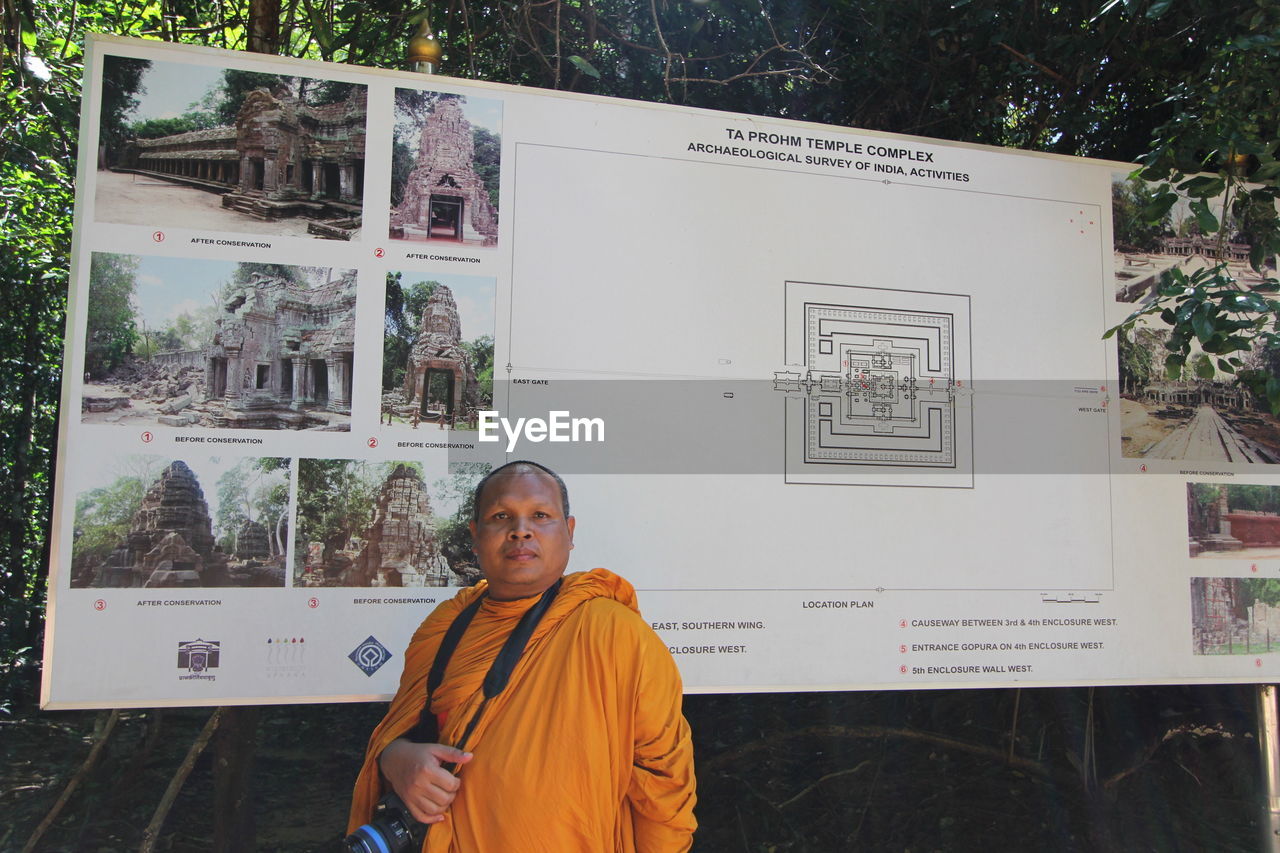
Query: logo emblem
(370, 655)
(286, 657)
(197, 657)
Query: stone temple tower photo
(444, 197)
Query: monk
(585, 749)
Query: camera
(392, 830)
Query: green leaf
(1267, 172)
(1203, 327)
(1246, 302)
(1158, 8)
(1204, 368)
(585, 67)
(1257, 255)
(1154, 210)
(1173, 366)
(1203, 186)
(1153, 173)
(1225, 367)
(320, 29)
(1237, 343)
(1204, 217)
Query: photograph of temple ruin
(183, 342)
(1206, 420)
(1144, 251)
(445, 168)
(1235, 616)
(437, 368)
(220, 149)
(1236, 521)
(198, 521)
(370, 524)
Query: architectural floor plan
(876, 386)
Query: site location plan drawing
(876, 386)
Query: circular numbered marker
(99, 605)
(313, 602)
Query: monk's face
(522, 535)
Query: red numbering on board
(372, 442)
(99, 605)
(313, 602)
(146, 437)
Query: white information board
(842, 407)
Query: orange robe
(586, 748)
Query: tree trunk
(234, 747)
(264, 26)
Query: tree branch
(152, 832)
(99, 741)
(1046, 69)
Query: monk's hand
(417, 774)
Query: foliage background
(1181, 83)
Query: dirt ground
(1116, 769)
(131, 199)
(146, 413)
(141, 412)
(1139, 430)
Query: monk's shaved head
(513, 467)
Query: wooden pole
(1269, 746)
(152, 832)
(95, 752)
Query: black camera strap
(495, 681)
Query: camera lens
(392, 830)
(368, 839)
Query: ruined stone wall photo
(1235, 615)
(1234, 521)
(211, 344)
(445, 170)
